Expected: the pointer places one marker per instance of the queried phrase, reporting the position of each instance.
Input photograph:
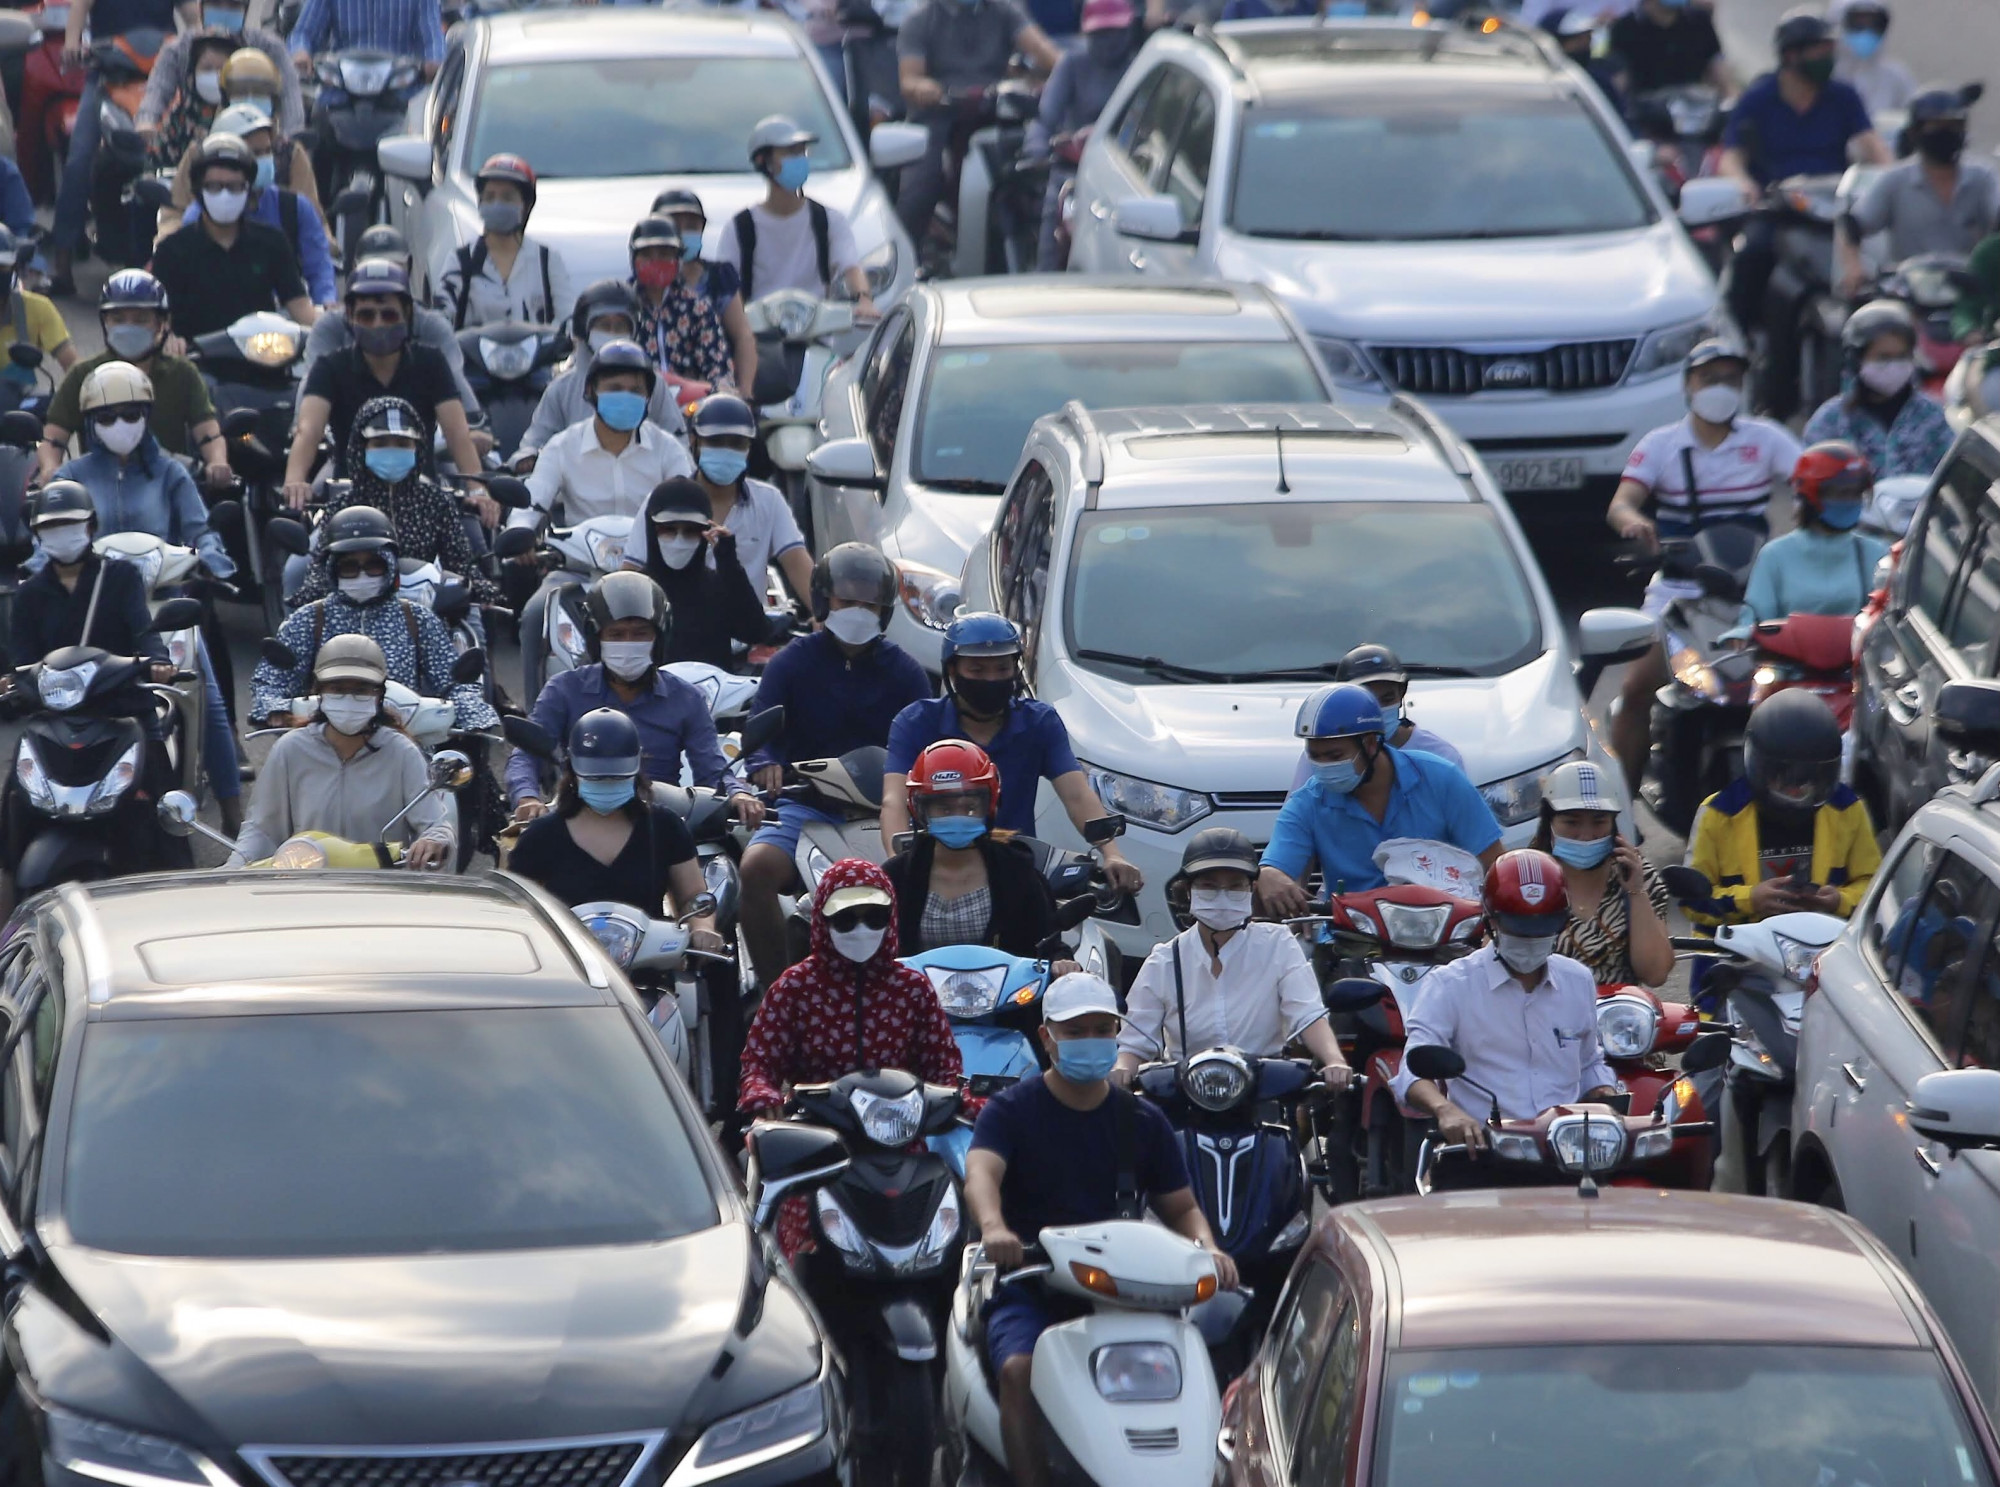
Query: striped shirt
(1732, 481)
(406, 28)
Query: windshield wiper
(965, 485)
(1157, 667)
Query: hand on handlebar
(297, 494)
(530, 808)
(163, 672)
(1004, 1248)
(1282, 897)
(1225, 1267)
(1640, 529)
(221, 477)
(749, 810)
(1459, 1128)
(771, 778)
(706, 939)
(425, 854)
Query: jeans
(73, 196)
(218, 739)
(924, 183)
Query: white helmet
(114, 384)
(240, 120)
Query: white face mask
(855, 626)
(1220, 908)
(208, 87)
(1717, 403)
(123, 436)
(858, 944)
(628, 660)
(363, 590)
(349, 714)
(1523, 954)
(224, 206)
(1887, 377)
(678, 552)
(66, 541)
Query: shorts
(1660, 592)
(781, 827)
(1016, 1318)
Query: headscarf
(371, 489)
(826, 966)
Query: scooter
(509, 366)
(252, 371)
(1640, 1034)
(1799, 300)
(363, 94)
(122, 65)
(850, 790)
(654, 954)
(728, 696)
(165, 566)
(553, 625)
(1814, 652)
(999, 189)
(799, 338)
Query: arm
(1729, 903)
(1760, 594)
(767, 1051)
(458, 436)
(1594, 1077)
(136, 617)
(1081, 803)
(548, 419)
(1627, 514)
(291, 102)
(1145, 1007)
(796, 564)
(1649, 947)
(938, 1059)
(315, 257)
(314, 410)
(919, 91)
(685, 884)
(1869, 147)
(1304, 1012)
(1285, 859)
(742, 344)
(984, 1168)
(269, 818)
(895, 808)
(431, 827)
(163, 84)
(742, 607)
(79, 17)
(523, 772)
(190, 521)
(1044, 53)
(271, 688)
(704, 751)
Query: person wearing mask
(1522, 1016)
(717, 607)
(1618, 903)
(226, 267)
(790, 240)
(1225, 979)
(1934, 202)
(958, 883)
(402, 28)
(331, 332)
(276, 206)
(180, 68)
(985, 702)
(28, 319)
(678, 324)
(1881, 410)
(250, 86)
(841, 687)
(1715, 466)
(1364, 792)
(605, 312)
(608, 463)
(504, 274)
(1382, 672)
(630, 625)
(1787, 835)
(1669, 44)
(132, 313)
(187, 114)
(349, 770)
(1884, 84)
(1823, 565)
(717, 282)
(1077, 91)
(1060, 1148)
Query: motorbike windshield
(384, 1133)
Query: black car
(317, 1180)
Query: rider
(605, 312)
(1078, 89)
(226, 267)
(716, 605)
(790, 240)
(1523, 1017)
(609, 463)
(1884, 84)
(1057, 1149)
(1787, 835)
(274, 205)
(679, 326)
(717, 282)
(27, 318)
(1712, 467)
(1881, 409)
(1225, 979)
(331, 332)
(1617, 900)
(1669, 44)
(1823, 565)
(1382, 672)
(1364, 792)
(249, 85)
(1936, 201)
(482, 287)
(349, 775)
(178, 69)
(959, 883)
(841, 687)
(413, 29)
(984, 701)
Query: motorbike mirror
(1689, 885)
(20, 429)
(1971, 93)
(1708, 1051)
(348, 203)
(226, 516)
(1352, 994)
(154, 192)
(452, 602)
(288, 536)
(759, 729)
(18, 32)
(278, 654)
(1218, 1317)
(515, 542)
(529, 736)
(450, 770)
(1073, 913)
(177, 614)
(1433, 1061)
(785, 1155)
(469, 667)
(1101, 829)
(701, 908)
(508, 492)
(177, 812)
(239, 423)
(25, 356)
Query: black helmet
(629, 595)
(853, 571)
(679, 500)
(1799, 28)
(132, 289)
(621, 356)
(604, 744)
(61, 500)
(1936, 103)
(677, 199)
(361, 529)
(655, 232)
(1791, 752)
(1219, 846)
(605, 297)
(1371, 663)
(380, 241)
(719, 415)
(222, 149)
(1872, 320)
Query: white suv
(1449, 212)
(1186, 576)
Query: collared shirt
(422, 379)
(408, 28)
(212, 287)
(592, 481)
(305, 786)
(424, 667)
(1528, 1049)
(760, 520)
(563, 402)
(1264, 997)
(1032, 745)
(314, 254)
(331, 333)
(180, 399)
(835, 702)
(148, 492)
(536, 292)
(170, 71)
(1429, 800)
(961, 45)
(1732, 481)
(1421, 739)
(672, 719)
(1778, 141)
(1918, 220)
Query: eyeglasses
(120, 413)
(874, 916)
(370, 315)
(360, 567)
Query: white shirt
(521, 296)
(1529, 1049)
(786, 256)
(1732, 479)
(593, 481)
(761, 521)
(1266, 995)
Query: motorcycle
(553, 625)
(1639, 1035)
(363, 94)
(1930, 286)
(50, 93)
(654, 955)
(1685, 121)
(165, 566)
(1810, 651)
(1000, 189)
(850, 790)
(252, 371)
(799, 338)
(122, 65)
(509, 366)
(1799, 302)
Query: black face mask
(1108, 48)
(1942, 146)
(986, 699)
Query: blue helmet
(1343, 710)
(981, 633)
(603, 744)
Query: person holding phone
(1617, 900)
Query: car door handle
(1928, 1162)
(1854, 1077)
(1100, 210)
(1137, 259)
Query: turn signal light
(1024, 996)
(1204, 1288)
(1093, 1279)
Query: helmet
(1831, 470)
(952, 766)
(392, 417)
(382, 241)
(605, 297)
(776, 132)
(374, 276)
(249, 71)
(1219, 846)
(980, 633)
(1845, 15)
(1524, 894)
(511, 168)
(1791, 752)
(1877, 317)
(10, 247)
(629, 595)
(240, 120)
(132, 289)
(1934, 104)
(621, 356)
(1800, 28)
(853, 571)
(604, 744)
(1371, 663)
(61, 500)
(1343, 710)
(721, 416)
(361, 529)
(654, 232)
(222, 149)
(1715, 348)
(677, 199)
(116, 383)
(351, 658)
(1582, 785)
(679, 500)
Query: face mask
(132, 342)
(628, 660)
(381, 340)
(678, 552)
(621, 410)
(225, 206)
(1887, 378)
(792, 172)
(656, 273)
(1816, 70)
(502, 217)
(391, 465)
(363, 590)
(1674, 4)
(1523, 954)
(349, 714)
(956, 831)
(1863, 43)
(66, 541)
(1716, 403)
(604, 796)
(690, 245)
(599, 339)
(1086, 1060)
(984, 697)
(1842, 516)
(1942, 146)
(1107, 48)
(256, 101)
(854, 626)
(219, 18)
(1341, 776)
(1220, 908)
(1572, 853)
(123, 436)
(858, 944)
(724, 466)
(208, 87)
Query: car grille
(578, 1464)
(1580, 366)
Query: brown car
(1535, 1338)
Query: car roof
(1284, 51)
(208, 943)
(1543, 1265)
(1040, 309)
(626, 31)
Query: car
(1185, 577)
(310, 1179)
(926, 423)
(1537, 290)
(611, 106)
(1535, 1335)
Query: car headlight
(509, 361)
(778, 1427)
(1626, 1025)
(268, 338)
(1691, 671)
(619, 937)
(887, 1122)
(1594, 1146)
(607, 550)
(967, 993)
(930, 595)
(880, 267)
(366, 75)
(1518, 798)
(110, 1453)
(1217, 1079)
(34, 779)
(1800, 958)
(569, 636)
(108, 790)
(1346, 362)
(1137, 1372)
(1162, 807)
(63, 690)
(1663, 351)
(300, 852)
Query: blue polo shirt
(835, 702)
(672, 719)
(1782, 142)
(1032, 745)
(1430, 801)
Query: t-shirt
(638, 875)
(787, 257)
(1031, 746)
(1778, 141)
(180, 399)
(1784, 844)
(422, 379)
(962, 45)
(212, 287)
(1732, 481)
(1670, 56)
(46, 330)
(1062, 1164)
(761, 521)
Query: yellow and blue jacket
(1725, 847)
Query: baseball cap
(350, 658)
(1077, 995)
(854, 896)
(1581, 785)
(1715, 348)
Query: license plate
(1551, 474)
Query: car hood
(1534, 290)
(939, 528)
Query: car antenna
(1284, 486)
(1587, 1187)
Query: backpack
(319, 628)
(288, 219)
(471, 259)
(746, 246)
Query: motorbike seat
(1818, 642)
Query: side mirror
(509, 492)
(1971, 93)
(759, 729)
(177, 614)
(1352, 994)
(1156, 219)
(469, 667)
(703, 904)
(528, 736)
(1708, 1051)
(515, 542)
(1073, 912)
(1430, 1061)
(1610, 637)
(1960, 1107)
(1967, 714)
(151, 191)
(1707, 200)
(1688, 885)
(1101, 829)
(278, 654)
(450, 770)
(849, 462)
(239, 423)
(177, 812)
(452, 602)
(288, 535)
(407, 157)
(20, 429)
(226, 515)
(785, 1155)
(892, 146)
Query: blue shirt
(1032, 745)
(834, 702)
(148, 492)
(408, 28)
(1785, 142)
(672, 720)
(1062, 1164)
(315, 258)
(1430, 800)
(17, 208)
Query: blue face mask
(1342, 776)
(792, 172)
(1085, 1060)
(724, 466)
(1840, 515)
(956, 831)
(1863, 43)
(1572, 853)
(604, 796)
(222, 18)
(267, 171)
(621, 410)
(690, 245)
(391, 465)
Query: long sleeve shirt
(1264, 997)
(306, 786)
(1810, 572)
(310, 242)
(149, 492)
(414, 641)
(17, 207)
(170, 75)
(672, 720)
(563, 403)
(408, 28)
(536, 292)
(592, 481)
(1915, 442)
(427, 528)
(835, 702)
(47, 616)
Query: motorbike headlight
(931, 596)
(569, 637)
(509, 361)
(967, 993)
(1413, 928)
(1594, 1146)
(34, 779)
(1217, 1079)
(1626, 1025)
(1691, 671)
(619, 937)
(880, 267)
(839, 1229)
(1137, 1372)
(1512, 1146)
(887, 1122)
(113, 786)
(63, 690)
(1650, 1144)
(1800, 958)
(1518, 798)
(366, 76)
(776, 1428)
(1664, 350)
(1346, 362)
(938, 1237)
(268, 339)
(1162, 807)
(300, 852)
(607, 550)
(110, 1453)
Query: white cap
(1078, 995)
(1582, 785)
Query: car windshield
(647, 116)
(1341, 169)
(982, 400)
(377, 1133)
(1675, 1415)
(1238, 592)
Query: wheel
(898, 1436)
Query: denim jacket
(150, 491)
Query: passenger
(1618, 902)
(1382, 672)
(714, 604)
(1897, 426)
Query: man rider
(1669, 44)
(1048, 1152)
(1524, 1019)
(413, 28)
(790, 240)
(984, 702)
(1382, 672)
(608, 463)
(1364, 792)
(331, 332)
(1078, 89)
(605, 312)
(227, 266)
(278, 206)
(1934, 202)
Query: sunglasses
(369, 315)
(360, 567)
(874, 916)
(680, 529)
(122, 413)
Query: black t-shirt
(212, 287)
(1671, 56)
(423, 380)
(1062, 1164)
(638, 875)
(1784, 843)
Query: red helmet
(504, 167)
(1831, 471)
(1524, 893)
(952, 766)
